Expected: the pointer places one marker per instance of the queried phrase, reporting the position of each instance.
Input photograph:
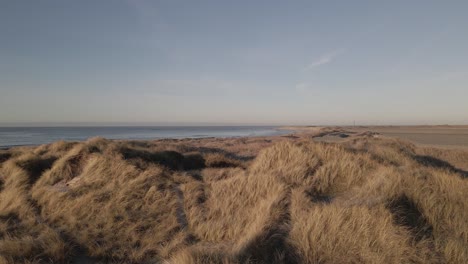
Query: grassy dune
(247, 200)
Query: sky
(234, 62)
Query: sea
(23, 136)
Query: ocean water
(19, 136)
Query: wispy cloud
(324, 59)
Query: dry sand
(437, 136)
(434, 136)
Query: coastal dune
(281, 199)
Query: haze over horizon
(234, 62)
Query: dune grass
(264, 200)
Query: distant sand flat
(440, 136)
(435, 136)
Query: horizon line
(208, 124)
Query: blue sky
(233, 62)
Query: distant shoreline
(33, 136)
(444, 136)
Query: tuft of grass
(218, 160)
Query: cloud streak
(324, 59)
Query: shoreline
(443, 136)
(36, 136)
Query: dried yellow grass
(254, 200)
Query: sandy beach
(435, 136)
